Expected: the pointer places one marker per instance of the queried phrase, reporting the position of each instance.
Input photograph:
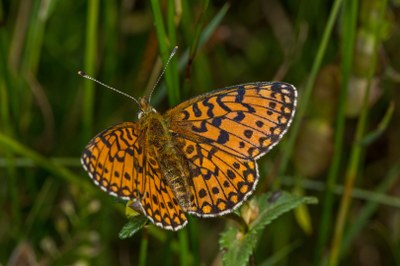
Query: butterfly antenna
(83, 74)
(162, 73)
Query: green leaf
(239, 245)
(132, 226)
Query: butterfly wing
(219, 181)
(223, 133)
(120, 164)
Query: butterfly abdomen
(175, 174)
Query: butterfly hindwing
(219, 182)
(159, 202)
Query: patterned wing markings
(114, 160)
(245, 120)
(214, 140)
(158, 202)
(220, 182)
(117, 162)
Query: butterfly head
(145, 107)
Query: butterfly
(197, 158)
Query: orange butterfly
(199, 157)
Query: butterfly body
(160, 143)
(199, 157)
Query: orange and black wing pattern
(114, 160)
(224, 132)
(120, 164)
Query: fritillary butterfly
(197, 158)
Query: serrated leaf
(239, 245)
(132, 226)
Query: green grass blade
(165, 48)
(348, 25)
(304, 96)
(90, 66)
(56, 169)
(357, 149)
(363, 217)
(143, 248)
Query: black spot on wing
(155, 199)
(127, 176)
(190, 149)
(208, 175)
(248, 133)
(130, 151)
(216, 121)
(210, 108)
(239, 95)
(231, 174)
(211, 153)
(215, 190)
(223, 137)
(105, 141)
(226, 184)
(239, 117)
(223, 105)
(276, 87)
(250, 109)
(186, 115)
(124, 137)
(196, 110)
(202, 193)
(202, 127)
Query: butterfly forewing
(245, 120)
(114, 159)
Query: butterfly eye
(140, 115)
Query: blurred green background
(343, 147)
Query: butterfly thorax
(162, 148)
